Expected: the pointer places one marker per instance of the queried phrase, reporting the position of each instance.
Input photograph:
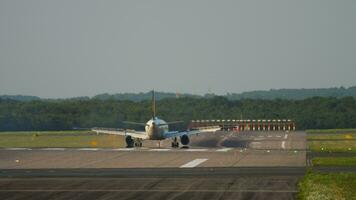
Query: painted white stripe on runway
(88, 149)
(269, 136)
(18, 149)
(53, 149)
(160, 149)
(196, 149)
(255, 142)
(283, 145)
(285, 136)
(224, 149)
(278, 136)
(123, 149)
(194, 163)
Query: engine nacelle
(184, 139)
(129, 141)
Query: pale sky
(68, 48)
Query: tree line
(311, 113)
(293, 94)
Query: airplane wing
(132, 133)
(172, 134)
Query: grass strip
(327, 186)
(58, 139)
(334, 161)
(332, 146)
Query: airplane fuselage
(156, 128)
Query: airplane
(155, 129)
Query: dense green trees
(317, 112)
(292, 94)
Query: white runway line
(255, 143)
(18, 149)
(269, 136)
(278, 136)
(88, 149)
(196, 149)
(285, 136)
(160, 149)
(283, 145)
(123, 149)
(224, 150)
(53, 149)
(194, 163)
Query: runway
(161, 183)
(224, 165)
(210, 150)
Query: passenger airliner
(155, 129)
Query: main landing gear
(138, 143)
(175, 143)
(131, 142)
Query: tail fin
(153, 105)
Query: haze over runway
(83, 48)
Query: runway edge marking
(196, 150)
(194, 163)
(16, 149)
(53, 149)
(160, 149)
(88, 149)
(224, 150)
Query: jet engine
(184, 139)
(129, 141)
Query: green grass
(312, 131)
(328, 186)
(332, 140)
(332, 146)
(66, 139)
(334, 161)
(345, 136)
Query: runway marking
(283, 145)
(285, 136)
(278, 136)
(15, 149)
(224, 149)
(196, 149)
(53, 149)
(269, 136)
(123, 149)
(160, 149)
(255, 142)
(193, 163)
(88, 149)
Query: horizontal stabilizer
(112, 131)
(134, 123)
(174, 122)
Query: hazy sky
(68, 48)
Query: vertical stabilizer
(153, 105)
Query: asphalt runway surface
(223, 165)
